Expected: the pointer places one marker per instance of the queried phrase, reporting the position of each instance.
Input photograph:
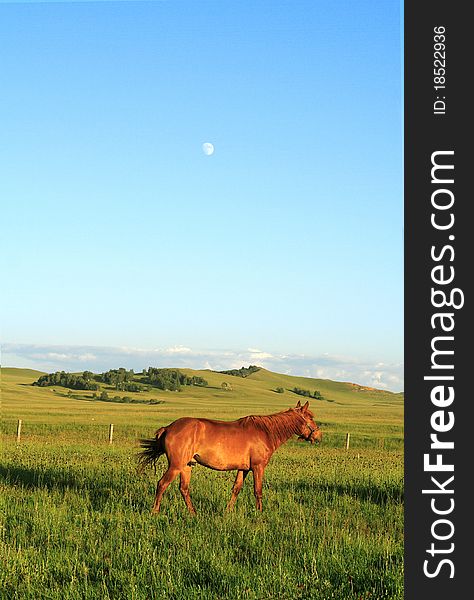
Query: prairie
(75, 514)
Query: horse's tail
(152, 450)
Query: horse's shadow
(99, 493)
(365, 492)
(102, 492)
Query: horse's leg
(238, 483)
(184, 488)
(257, 484)
(164, 482)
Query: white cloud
(178, 350)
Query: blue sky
(118, 231)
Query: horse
(246, 444)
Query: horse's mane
(279, 426)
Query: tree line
(301, 392)
(122, 380)
(104, 397)
(242, 372)
(171, 379)
(69, 380)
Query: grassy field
(75, 516)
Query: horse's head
(310, 430)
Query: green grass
(75, 515)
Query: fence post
(18, 431)
(348, 440)
(111, 432)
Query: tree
(67, 380)
(170, 379)
(242, 372)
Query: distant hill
(257, 381)
(17, 371)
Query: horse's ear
(306, 406)
(298, 404)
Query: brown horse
(243, 445)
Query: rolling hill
(371, 416)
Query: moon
(208, 148)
